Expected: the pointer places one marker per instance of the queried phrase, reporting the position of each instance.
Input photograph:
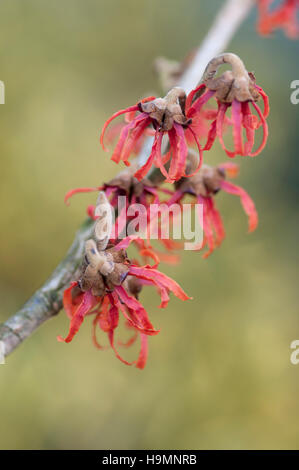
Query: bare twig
(223, 29)
(47, 301)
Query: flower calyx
(235, 84)
(104, 267)
(204, 183)
(168, 110)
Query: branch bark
(223, 29)
(47, 301)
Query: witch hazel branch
(184, 128)
(172, 137)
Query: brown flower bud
(167, 110)
(133, 286)
(118, 256)
(126, 181)
(117, 276)
(232, 84)
(206, 181)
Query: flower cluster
(235, 89)
(168, 116)
(143, 192)
(203, 187)
(284, 15)
(181, 118)
(109, 284)
(110, 281)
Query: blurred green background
(219, 373)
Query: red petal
(141, 361)
(265, 100)
(237, 127)
(191, 96)
(265, 131)
(217, 222)
(111, 340)
(68, 304)
(90, 212)
(219, 128)
(132, 339)
(168, 258)
(130, 116)
(125, 242)
(148, 252)
(159, 159)
(80, 190)
(94, 336)
(284, 16)
(125, 140)
(114, 314)
(250, 125)
(246, 201)
(207, 225)
(137, 314)
(134, 137)
(231, 169)
(142, 172)
(115, 115)
(198, 104)
(144, 250)
(179, 152)
(159, 279)
(171, 244)
(211, 135)
(105, 320)
(200, 153)
(129, 138)
(87, 303)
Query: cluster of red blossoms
(109, 284)
(179, 117)
(203, 186)
(110, 281)
(284, 15)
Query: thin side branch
(47, 301)
(223, 29)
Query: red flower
(147, 251)
(114, 131)
(167, 116)
(141, 192)
(125, 184)
(237, 90)
(283, 16)
(201, 123)
(203, 186)
(109, 285)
